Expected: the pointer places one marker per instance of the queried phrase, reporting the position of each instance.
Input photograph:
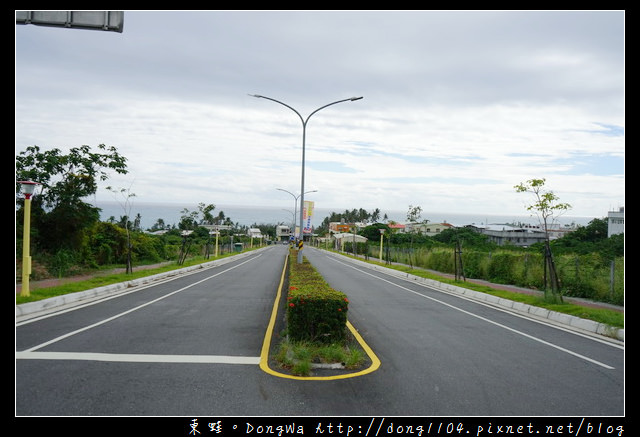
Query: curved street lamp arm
(282, 103)
(294, 196)
(281, 189)
(304, 122)
(351, 99)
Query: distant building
(397, 227)
(254, 233)
(283, 233)
(554, 232)
(214, 228)
(339, 227)
(502, 234)
(429, 229)
(615, 222)
(342, 238)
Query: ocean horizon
(246, 215)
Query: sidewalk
(53, 282)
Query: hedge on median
(315, 311)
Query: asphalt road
(191, 346)
(453, 356)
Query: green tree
(591, 238)
(60, 216)
(206, 211)
(466, 235)
(413, 214)
(355, 215)
(372, 232)
(190, 220)
(595, 231)
(546, 205)
(67, 179)
(126, 204)
(375, 215)
(158, 225)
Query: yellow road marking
(266, 345)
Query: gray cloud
(441, 88)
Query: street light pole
(304, 134)
(295, 204)
(293, 220)
(27, 188)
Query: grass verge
(100, 279)
(600, 315)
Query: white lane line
(137, 358)
(86, 328)
(606, 366)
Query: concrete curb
(68, 300)
(573, 322)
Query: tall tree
(66, 179)
(546, 206)
(192, 219)
(126, 204)
(207, 213)
(375, 215)
(414, 213)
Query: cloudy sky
(457, 107)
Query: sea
(245, 215)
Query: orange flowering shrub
(315, 311)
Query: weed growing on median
(301, 357)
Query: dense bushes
(586, 276)
(105, 244)
(589, 264)
(315, 311)
(501, 268)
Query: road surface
(191, 346)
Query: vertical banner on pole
(307, 215)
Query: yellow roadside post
(27, 188)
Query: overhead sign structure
(93, 20)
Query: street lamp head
(27, 188)
(355, 98)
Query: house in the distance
(427, 228)
(615, 222)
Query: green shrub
(315, 311)
(475, 264)
(589, 276)
(441, 260)
(529, 271)
(61, 263)
(586, 275)
(502, 268)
